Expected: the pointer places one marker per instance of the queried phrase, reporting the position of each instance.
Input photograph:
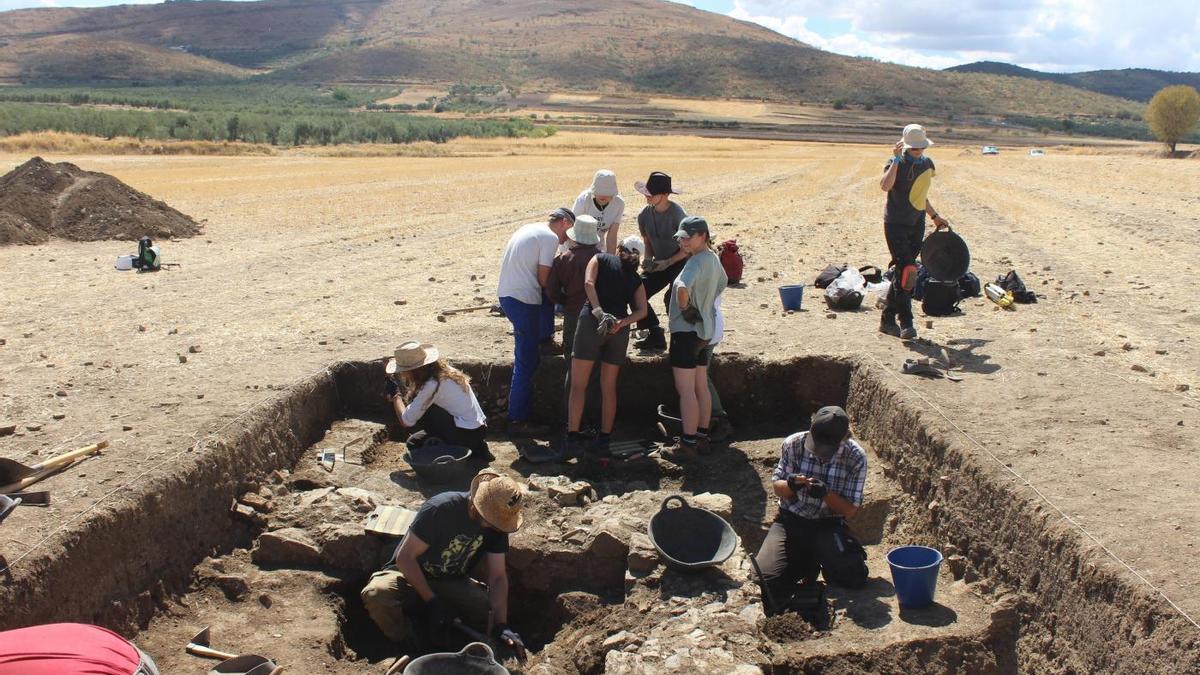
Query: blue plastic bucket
(914, 574)
(791, 296)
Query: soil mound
(39, 200)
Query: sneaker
(572, 447)
(655, 341)
(679, 453)
(887, 325)
(908, 333)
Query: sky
(1050, 35)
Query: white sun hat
(914, 137)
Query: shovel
(15, 476)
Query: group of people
(604, 284)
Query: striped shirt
(845, 473)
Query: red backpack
(731, 260)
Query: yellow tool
(999, 296)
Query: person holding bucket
(430, 573)
(819, 481)
(906, 180)
(602, 202)
(443, 405)
(693, 298)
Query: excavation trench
(1018, 591)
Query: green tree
(1173, 113)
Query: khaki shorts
(589, 346)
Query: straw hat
(410, 356)
(584, 231)
(498, 499)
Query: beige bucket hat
(604, 184)
(914, 137)
(499, 500)
(584, 231)
(410, 356)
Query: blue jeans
(527, 321)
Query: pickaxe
(199, 647)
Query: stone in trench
(289, 547)
(720, 504)
(7, 428)
(642, 556)
(234, 586)
(957, 565)
(363, 501)
(607, 542)
(257, 502)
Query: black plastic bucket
(945, 255)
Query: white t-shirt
(460, 403)
(611, 215)
(718, 322)
(530, 246)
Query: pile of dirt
(39, 200)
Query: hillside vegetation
(1138, 84)
(615, 46)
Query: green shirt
(705, 279)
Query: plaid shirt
(845, 473)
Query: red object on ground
(66, 649)
(731, 260)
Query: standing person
(663, 260)
(442, 404)
(430, 572)
(70, 649)
(602, 202)
(612, 286)
(819, 481)
(906, 179)
(692, 321)
(565, 285)
(524, 273)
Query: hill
(1137, 84)
(611, 46)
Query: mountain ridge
(1136, 84)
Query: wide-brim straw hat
(500, 500)
(584, 231)
(914, 137)
(410, 356)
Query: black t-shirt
(906, 199)
(455, 541)
(616, 283)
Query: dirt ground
(1089, 395)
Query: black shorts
(688, 351)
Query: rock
(348, 548)
(61, 393)
(607, 543)
(720, 504)
(363, 501)
(1182, 387)
(401, 302)
(441, 318)
(182, 358)
(141, 328)
(265, 600)
(752, 613)
(1099, 353)
(234, 587)
(830, 315)
(642, 556)
(957, 565)
(59, 416)
(194, 349)
(7, 428)
(1139, 368)
(126, 427)
(257, 502)
(313, 496)
(616, 640)
(33, 427)
(289, 547)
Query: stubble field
(1089, 395)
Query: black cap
(563, 212)
(829, 427)
(690, 226)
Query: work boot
(599, 447)
(573, 446)
(680, 452)
(887, 324)
(907, 332)
(655, 341)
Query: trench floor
(300, 606)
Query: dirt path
(303, 261)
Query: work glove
(816, 488)
(652, 266)
(606, 324)
(441, 617)
(509, 637)
(794, 483)
(599, 313)
(690, 314)
(390, 388)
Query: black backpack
(941, 298)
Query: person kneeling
(819, 481)
(612, 285)
(444, 405)
(431, 567)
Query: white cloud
(1064, 35)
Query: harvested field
(1073, 427)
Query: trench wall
(1079, 611)
(115, 566)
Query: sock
(689, 439)
(702, 432)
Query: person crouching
(443, 405)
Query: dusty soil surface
(40, 200)
(1088, 395)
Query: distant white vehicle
(990, 150)
(1037, 152)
